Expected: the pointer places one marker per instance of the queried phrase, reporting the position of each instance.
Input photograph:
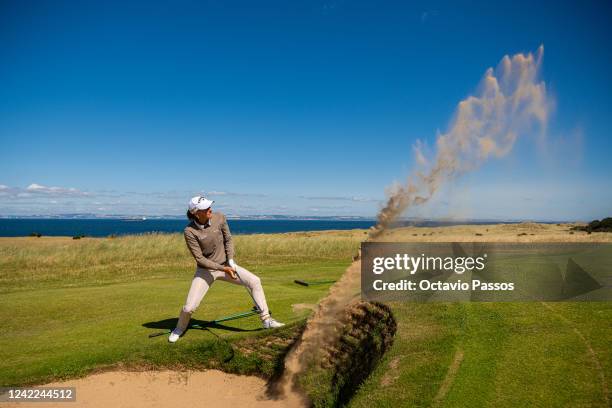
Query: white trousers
(203, 280)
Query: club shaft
(235, 316)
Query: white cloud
(341, 198)
(55, 191)
(37, 198)
(232, 194)
(425, 15)
(35, 190)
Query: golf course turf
(71, 307)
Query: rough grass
(27, 263)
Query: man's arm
(227, 239)
(196, 251)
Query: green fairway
(496, 355)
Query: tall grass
(63, 262)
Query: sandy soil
(210, 388)
(522, 232)
(300, 307)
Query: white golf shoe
(174, 336)
(270, 323)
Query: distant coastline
(280, 217)
(87, 216)
(105, 227)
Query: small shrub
(604, 225)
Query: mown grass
(516, 354)
(510, 354)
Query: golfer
(210, 242)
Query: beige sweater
(210, 244)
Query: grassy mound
(604, 225)
(367, 333)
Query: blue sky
(302, 108)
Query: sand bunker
(210, 388)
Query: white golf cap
(199, 203)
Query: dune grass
(28, 263)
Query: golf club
(235, 316)
(256, 309)
(304, 283)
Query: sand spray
(510, 102)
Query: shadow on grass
(169, 324)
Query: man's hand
(230, 271)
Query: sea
(19, 227)
(104, 227)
